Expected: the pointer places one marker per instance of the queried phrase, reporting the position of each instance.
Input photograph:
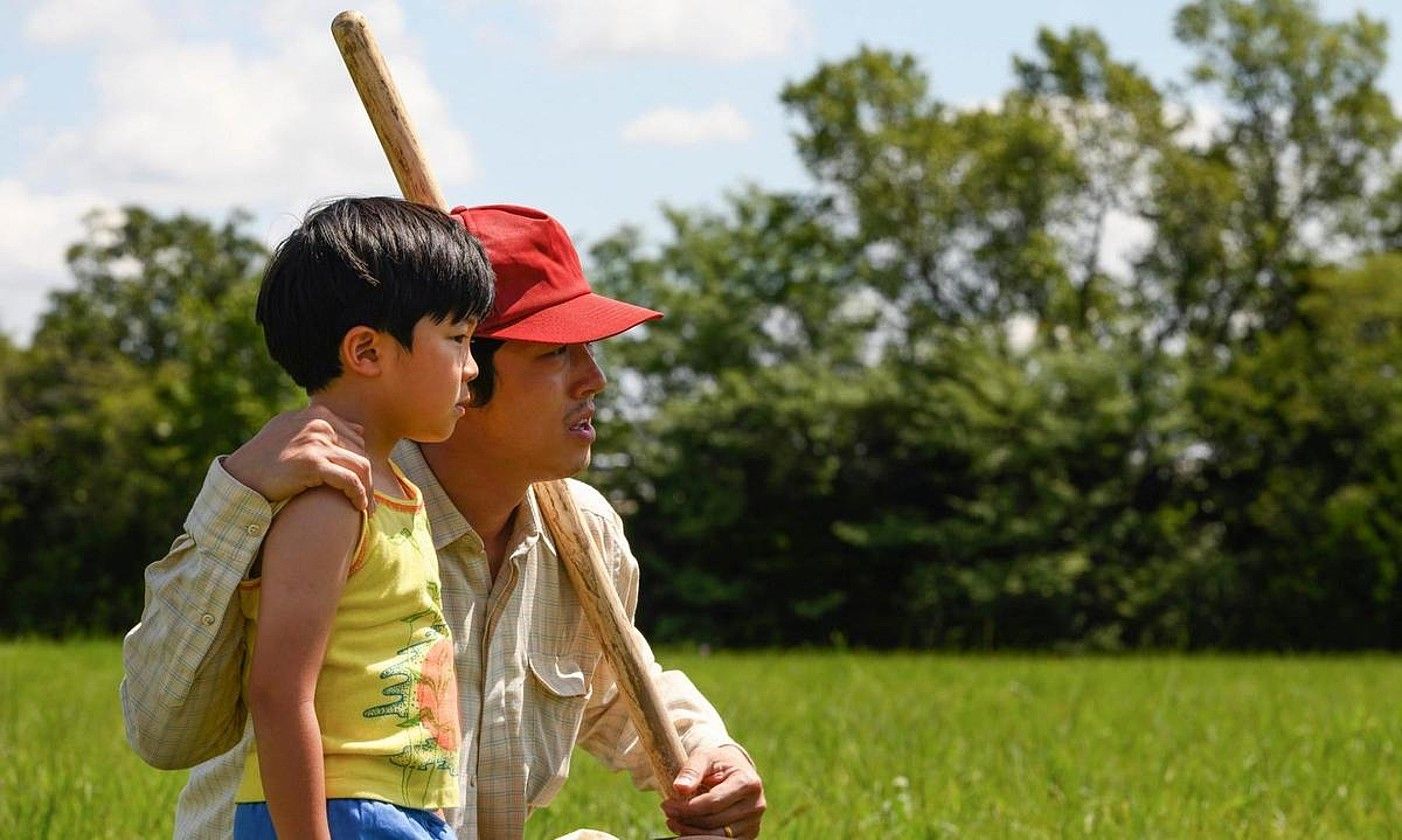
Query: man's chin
(575, 466)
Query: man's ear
(363, 351)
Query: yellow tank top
(386, 697)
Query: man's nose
(590, 379)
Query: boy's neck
(379, 442)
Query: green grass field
(868, 745)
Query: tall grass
(869, 745)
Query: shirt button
(253, 530)
(207, 620)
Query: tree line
(1109, 363)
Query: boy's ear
(363, 351)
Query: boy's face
(539, 422)
(429, 386)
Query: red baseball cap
(542, 294)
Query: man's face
(539, 421)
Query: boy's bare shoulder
(319, 507)
(325, 497)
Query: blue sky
(594, 110)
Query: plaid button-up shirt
(531, 683)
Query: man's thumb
(690, 775)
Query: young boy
(369, 305)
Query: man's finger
(323, 425)
(696, 768)
(360, 465)
(745, 828)
(732, 789)
(347, 434)
(356, 463)
(352, 438)
(319, 426)
(712, 823)
(348, 482)
(729, 815)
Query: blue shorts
(349, 819)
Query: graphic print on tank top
(424, 696)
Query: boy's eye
(465, 329)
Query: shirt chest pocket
(556, 693)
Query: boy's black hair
(377, 262)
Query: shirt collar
(444, 519)
(530, 525)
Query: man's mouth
(583, 421)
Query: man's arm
(305, 562)
(181, 688)
(718, 786)
(180, 691)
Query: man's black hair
(484, 351)
(376, 262)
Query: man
(531, 683)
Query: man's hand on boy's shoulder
(298, 450)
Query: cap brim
(590, 317)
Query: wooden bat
(583, 563)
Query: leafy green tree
(949, 209)
(135, 378)
(1116, 123)
(1305, 467)
(835, 432)
(1290, 177)
(922, 402)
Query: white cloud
(35, 230)
(720, 123)
(11, 89)
(270, 122)
(66, 22)
(206, 124)
(716, 30)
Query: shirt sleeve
(181, 690)
(607, 731)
